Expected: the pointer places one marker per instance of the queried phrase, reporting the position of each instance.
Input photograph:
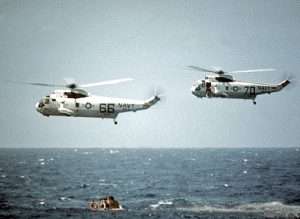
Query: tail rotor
(291, 80)
(159, 93)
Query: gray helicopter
(222, 84)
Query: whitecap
(64, 198)
(161, 202)
(114, 151)
(245, 160)
(84, 185)
(42, 163)
(245, 172)
(51, 159)
(41, 159)
(226, 185)
(22, 177)
(87, 153)
(42, 201)
(268, 209)
(108, 184)
(3, 176)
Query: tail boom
(151, 101)
(284, 83)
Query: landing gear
(115, 122)
(254, 102)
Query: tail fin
(151, 101)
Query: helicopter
(222, 84)
(73, 100)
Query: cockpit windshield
(44, 102)
(41, 104)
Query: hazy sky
(151, 41)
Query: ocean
(151, 183)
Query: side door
(252, 91)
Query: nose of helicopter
(37, 107)
(193, 90)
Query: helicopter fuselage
(234, 89)
(79, 104)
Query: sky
(152, 42)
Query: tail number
(107, 108)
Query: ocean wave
(268, 209)
(108, 184)
(114, 151)
(161, 202)
(64, 198)
(87, 153)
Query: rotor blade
(157, 91)
(254, 70)
(47, 85)
(37, 84)
(201, 69)
(117, 81)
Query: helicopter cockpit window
(74, 95)
(46, 100)
(203, 83)
(41, 104)
(223, 79)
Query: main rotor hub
(72, 86)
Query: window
(77, 104)
(53, 100)
(74, 95)
(208, 84)
(223, 79)
(226, 87)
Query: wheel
(115, 122)
(254, 102)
